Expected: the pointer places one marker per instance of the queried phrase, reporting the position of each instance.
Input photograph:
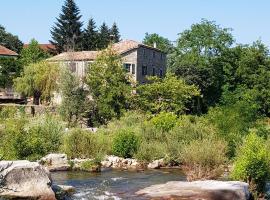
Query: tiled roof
(120, 47)
(45, 47)
(7, 52)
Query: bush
(164, 121)
(30, 139)
(252, 163)
(204, 159)
(79, 143)
(125, 144)
(150, 151)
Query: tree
(165, 95)
(33, 53)
(38, 80)
(10, 41)
(109, 86)
(162, 43)
(196, 58)
(104, 36)
(10, 68)
(114, 32)
(67, 34)
(90, 36)
(73, 105)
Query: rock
(63, 191)
(25, 180)
(56, 162)
(205, 190)
(156, 164)
(76, 163)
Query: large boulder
(24, 180)
(156, 164)
(55, 162)
(205, 190)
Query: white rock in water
(156, 164)
(56, 162)
(207, 190)
(25, 180)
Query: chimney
(155, 45)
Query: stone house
(138, 59)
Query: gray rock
(55, 162)
(63, 191)
(24, 180)
(206, 190)
(156, 164)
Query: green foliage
(198, 58)
(114, 32)
(90, 36)
(80, 143)
(252, 163)
(165, 95)
(104, 36)
(162, 43)
(33, 53)
(204, 159)
(90, 165)
(125, 144)
(67, 33)
(10, 68)
(73, 105)
(10, 41)
(109, 87)
(31, 139)
(38, 80)
(164, 121)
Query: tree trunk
(36, 99)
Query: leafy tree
(104, 36)
(196, 58)
(114, 32)
(10, 68)
(73, 95)
(33, 53)
(109, 86)
(67, 33)
(90, 36)
(10, 41)
(38, 80)
(162, 43)
(165, 95)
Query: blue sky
(250, 19)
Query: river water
(114, 184)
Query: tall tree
(33, 53)
(162, 43)
(90, 36)
(197, 55)
(104, 36)
(10, 68)
(109, 86)
(115, 34)
(10, 41)
(67, 33)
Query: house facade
(139, 60)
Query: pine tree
(67, 34)
(114, 31)
(104, 36)
(90, 36)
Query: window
(153, 71)
(144, 70)
(72, 66)
(160, 73)
(133, 69)
(127, 67)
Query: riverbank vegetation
(210, 111)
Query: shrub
(79, 143)
(150, 151)
(30, 139)
(164, 121)
(125, 144)
(252, 163)
(204, 159)
(91, 166)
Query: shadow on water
(114, 184)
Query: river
(114, 184)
